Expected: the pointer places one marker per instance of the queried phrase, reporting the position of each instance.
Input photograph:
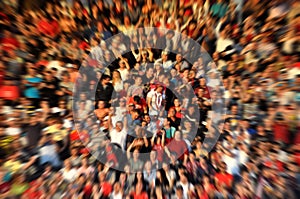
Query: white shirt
(223, 43)
(232, 164)
(156, 101)
(96, 53)
(186, 188)
(70, 175)
(12, 131)
(113, 195)
(124, 73)
(56, 64)
(118, 137)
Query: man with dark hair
(104, 89)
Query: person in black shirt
(104, 89)
(48, 88)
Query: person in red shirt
(177, 148)
(138, 102)
(104, 189)
(139, 192)
(178, 108)
(79, 135)
(9, 91)
(223, 177)
(9, 42)
(280, 128)
(273, 162)
(35, 190)
(2, 73)
(158, 144)
(200, 192)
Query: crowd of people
(156, 99)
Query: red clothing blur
(9, 92)
(224, 178)
(142, 195)
(2, 74)
(204, 195)
(83, 45)
(139, 106)
(33, 192)
(9, 44)
(277, 164)
(178, 147)
(50, 28)
(297, 158)
(297, 138)
(77, 136)
(160, 152)
(42, 63)
(179, 114)
(106, 188)
(281, 133)
(206, 92)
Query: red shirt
(50, 28)
(2, 74)
(204, 195)
(9, 92)
(178, 147)
(281, 132)
(179, 114)
(297, 139)
(225, 178)
(160, 152)
(140, 105)
(142, 195)
(297, 158)
(106, 188)
(277, 164)
(9, 43)
(76, 136)
(42, 63)
(33, 192)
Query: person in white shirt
(117, 192)
(69, 174)
(118, 135)
(96, 51)
(13, 129)
(188, 188)
(167, 64)
(124, 69)
(154, 100)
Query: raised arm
(152, 139)
(110, 125)
(129, 149)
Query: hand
(43, 84)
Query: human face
(135, 154)
(119, 126)
(172, 112)
(176, 102)
(101, 104)
(138, 80)
(177, 135)
(148, 119)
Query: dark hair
(137, 98)
(105, 77)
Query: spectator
(248, 93)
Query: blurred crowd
(90, 113)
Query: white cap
(69, 65)
(55, 110)
(67, 124)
